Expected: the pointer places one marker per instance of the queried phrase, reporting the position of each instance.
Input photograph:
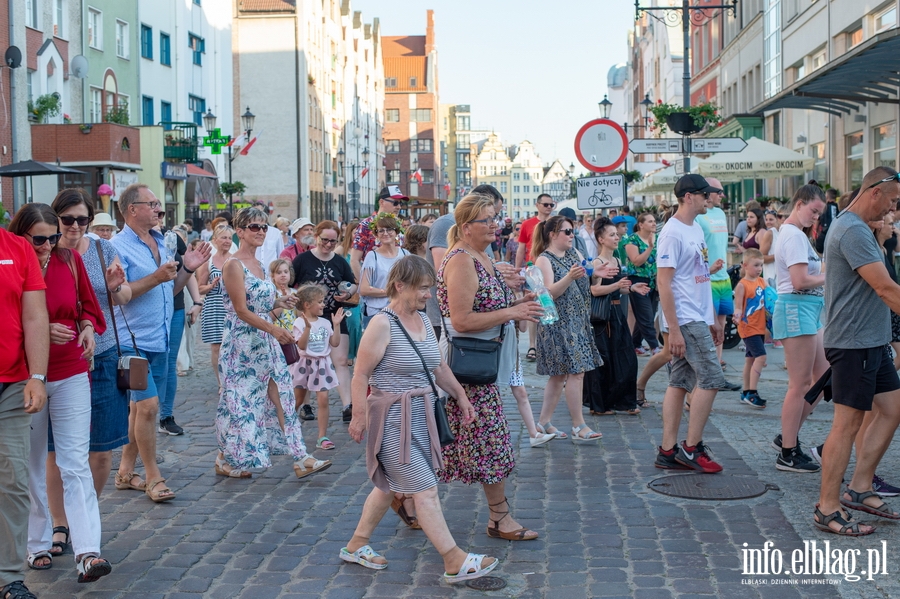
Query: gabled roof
(284, 6)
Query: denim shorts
(700, 366)
(159, 374)
(796, 315)
(755, 346)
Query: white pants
(69, 410)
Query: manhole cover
(486, 583)
(710, 486)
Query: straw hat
(102, 219)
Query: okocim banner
(759, 160)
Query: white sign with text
(601, 191)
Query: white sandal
(363, 556)
(92, 567)
(579, 440)
(471, 568)
(224, 469)
(301, 469)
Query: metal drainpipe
(297, 115)
(13, 120)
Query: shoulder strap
(112, 312)
(416, 349)
(70, 262)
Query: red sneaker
(697, 458)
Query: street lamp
(605, 106)
(247, 120)
(646, 103)
(353, 186)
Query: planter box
(106, 143)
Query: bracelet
(198, 304)
(188, 270)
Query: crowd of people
(289, 308)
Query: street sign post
(683, 166)
(601, 145)
(716, 144)
(655, 146)
(602, 191)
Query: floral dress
(567, 345)
(483, 451)
(247, 428)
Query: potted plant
(630, 176)
(684, 120)
(85, 127)
(117, 114)
(43, 107)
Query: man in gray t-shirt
(857, 333)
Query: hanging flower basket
(685, 121)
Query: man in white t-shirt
(685, 296)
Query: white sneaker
(541, 439)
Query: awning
(759, 160)
(868, 73)
(196, 171)
(661, 181)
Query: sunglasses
(256, 227)
(885, 180)
(546, 205)
(567, 231)
(71, 220)
(39, 240)
(394, 202)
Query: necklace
(45, 265)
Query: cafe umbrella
(759, 160)
(32, 168)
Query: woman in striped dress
(403, 452)
(209, 277)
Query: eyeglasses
(895, 177)
(487, 221)
(327, 240)
(567, 231)
(39, 240)
(546, 205)
(384, 231)
(153, 205)
(71, 220)
(257, 227)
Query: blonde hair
(309, 293)
(221, 230)
(467, 209)
(276, 264)
(749, 255)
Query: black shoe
(730, 387)
(796, 461)
(347, 413)
(167, 425)
(17, 590)
(666, 460)
(776, 444)
(306, 412)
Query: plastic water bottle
(535, 281)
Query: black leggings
(644, 309)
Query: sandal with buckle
(16, 590)
(857, 500)
(92, 567)
(59, 547)
(363, 556)
(223, 468)
(161, 495)
(521, 534)
(849, 528)
(589, 437)
(531, 356)
(324, 443)
(472, 568)
(544, 428)
(397, 506)
(124, 482)
(33, 557)
(642, 398)
(303, 469)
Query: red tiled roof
(199, 172)
(402, 45)
(402, 69)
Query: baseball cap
(693, 183)
(618, 220)
(299, 224)
(507, 219)
(568, 213)
(392, 192)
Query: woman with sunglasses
(565, 349)
(251, 427)
(75, 316)
(323, 266)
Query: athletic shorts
(755, 346)
(723, 300)
(858, 375)
(796, 315)
(700, 366)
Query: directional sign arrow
(655, 146)
(717, 144)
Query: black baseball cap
(693, 183)
(392, 192)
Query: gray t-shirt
(437, 238)
(855, 317)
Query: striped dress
(212, 317)
(400, 370)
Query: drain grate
(486, 583)
(710, 486)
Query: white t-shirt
(378, 267)
(683, 248)
(793, 247)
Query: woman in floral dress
(249, 428)
(476, 302)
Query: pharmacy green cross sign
(215, 141)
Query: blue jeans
(176, 331)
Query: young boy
(750, 316)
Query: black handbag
(445, 435)
(600, 305)
(474, 361)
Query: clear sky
(530, 70)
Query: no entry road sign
(601, 145)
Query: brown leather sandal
(124, 482)
(522, 534)
(158, 496)
(397, 506)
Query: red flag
(364, 171)
(447, 188)
(250, 144)
(238, 141)
(418, 175)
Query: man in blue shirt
(629, 220)
(155, 278)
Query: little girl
(282, 274)
(315, 338)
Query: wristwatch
(41, 377)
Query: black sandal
(531, 356)
(849, 528)
(16, 590)
(59, 547)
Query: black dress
(612, 386)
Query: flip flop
(856, 503)
(363, 556)
(531, 356)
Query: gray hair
(247, 215)
(131, 195)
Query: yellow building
(492, 164)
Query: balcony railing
(181, 142)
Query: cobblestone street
(604, 533)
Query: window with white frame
(772, 47)
(855, 159)
(122, 40)
(886, 19)
(818, 60)
(96, 105)
(29, 82)
(503, 187)
(95, 29)
(59, 18)
(31, 13)
(884, 140)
